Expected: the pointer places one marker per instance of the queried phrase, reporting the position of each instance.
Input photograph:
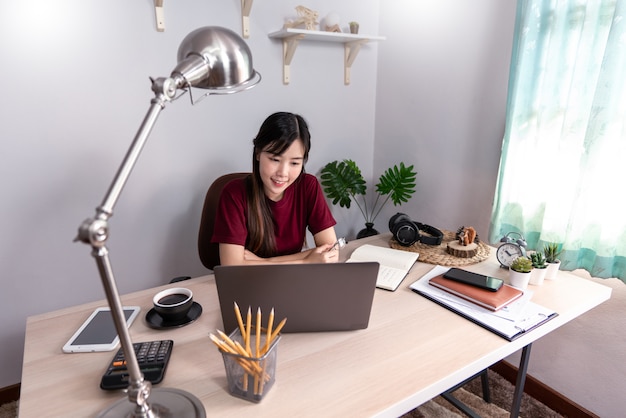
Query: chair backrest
(208, 251)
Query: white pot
(519, 280)
(553, 269)
(537, 276)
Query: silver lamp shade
(215, 58)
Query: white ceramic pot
(537, 276)
(519, 280)
(552, 270)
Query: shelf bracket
(160, 15)
(246, 6)
(351, 50)
(289, 49)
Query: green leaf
(342, 180)
(398, 183)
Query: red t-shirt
(303, 205)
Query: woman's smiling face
(280, 171)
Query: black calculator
(152, 356)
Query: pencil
(246, 338)
(258, 332)
(257, 346)
(221, 345)
(227, 340)
(270, 324)
(249, 367)
(239, 320)
(277, 330)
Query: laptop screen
(313, 297)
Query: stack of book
(493, 301)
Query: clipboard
(510, 323)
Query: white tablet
(98, 332)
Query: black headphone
(407, 232)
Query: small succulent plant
(522, 264)
(539, 260)
(551, 251)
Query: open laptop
(313, 297)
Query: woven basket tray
(437, 254)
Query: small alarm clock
(510, 249)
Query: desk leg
(521, 380)
(447, 395)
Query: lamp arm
(138, 388)
(95, 232)
(164, 89)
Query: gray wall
(440, 104)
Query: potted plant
(354, 27)
(551, 251)
(343, 183)
(540, 267)
(519, 272)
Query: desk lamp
(211, 58)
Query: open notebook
(394, 264)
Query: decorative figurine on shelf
(466, 245)
(306, 17)
(331, 23)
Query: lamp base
(165, 402)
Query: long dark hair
(275, 136)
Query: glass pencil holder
(251, 377)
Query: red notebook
(485, 298)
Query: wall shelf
(291, 37)
(246, 5)
(159, 15)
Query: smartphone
(475, 279)
(98, 332)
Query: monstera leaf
(397, 183)
(343, 183)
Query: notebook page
(385, 256)
(389, 278)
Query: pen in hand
(341, 242)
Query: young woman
(263, 218)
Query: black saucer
(156, 321)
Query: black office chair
(208, 251)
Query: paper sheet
(510, 322)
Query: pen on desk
(341, 242)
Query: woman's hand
(231, 254)
(323, 254)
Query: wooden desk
(412, 351)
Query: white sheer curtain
(562, 171)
